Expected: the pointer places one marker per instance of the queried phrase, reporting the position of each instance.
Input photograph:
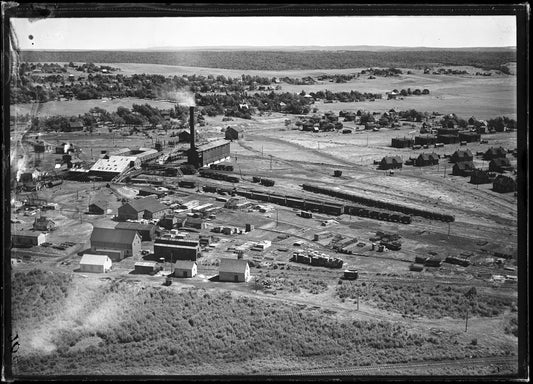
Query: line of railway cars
(377, 203)
(211, 174)
(263, 181)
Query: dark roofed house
(391, 162)
(479, 176)
(98, 207)
(402, 142)
(425, 140)
(461, 155)
(426, 159)
(184, 136)
(43, 224)
(500, 165)
(469, 137)
(504, 184)
(463, 168)
(234, 133)
(493, 153)
(146, 231)
(235, 270)
(110, 238)
(147, 208)
(74, 126)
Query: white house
(95, 263)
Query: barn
(463, 168)
(461, 155)
(185, 268)
(146, 231)
(234, 133)
(27, 238)
(147, 208)
(110, 238)
(95, 263)
(235, 270)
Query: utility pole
(357, 301)
(270, 162)
(448, 230)
(466, 320)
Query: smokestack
(191, 125)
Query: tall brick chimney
(191, 125)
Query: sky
(191, 32)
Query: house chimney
(191, 125)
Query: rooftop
(213, 144)
(149, 204)
(111, 235)
(233, 265)
(91, 259)
(184, 264)
(113, 164)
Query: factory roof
(213, 144)
(149, 204)
(111, 235)
(113, 164)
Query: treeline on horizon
(283, 60)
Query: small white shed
(95, 263)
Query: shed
(98, 207)
(95, 263)
(185, 268)
(110, 238)
(74, 126)
(234, 133)
(235, 270)
(184, 136)
(146, 267)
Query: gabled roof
(112, 235)
(462, 153)
(392, 160)
(462, 165)
(493, 150)
(101, 204)
(90, 259)
(184, 264)
(212, 144)
(501, 161)
(233, 265)
(149, 204)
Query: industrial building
(95, 263)
(185, 268)
(176, 249)
(402, 142)
(146, 267)
(27, 238)
(146, 231)
(146, 208)
(116, 239)
(234, 270)
(205, 154)
(112, 166)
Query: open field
(290, 317)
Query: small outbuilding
(185, 268)
(43, 224)
(98, 207)
(27, 238)
(234, 133)
(146, 267)
(95, 263)
(235, 270)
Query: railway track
(423, 366)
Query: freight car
(267, 182)
(377, 203)
(209, 173)
(187, 184)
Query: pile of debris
(388, 240)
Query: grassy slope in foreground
(121, 328)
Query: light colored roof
(91, 259)
(113, 164)
(233, 265)
(135, 226)
(213, 144)
(27, 233)
(149, 204)
(111, 235)
(175, 246)
(184, 264)
(145, 264)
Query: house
(147, 208)
(146, 231)
(95, 263)
(185, 268)
(479, 176)
(463, 168)
(27, 238)
(391, 162)
(504, 184)
(98, 207)
(500, 165)
(176, 249)
(235, 270)
(494, 153)
(184, 136)
(461, 155)
(146, 267)
(426, 159)
(43, 224)
(234, 133)
(116, 239)
(448, 139)
(74, 126)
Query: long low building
(209, 153)
(146, 231)
(173, 249)
(27, 238)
